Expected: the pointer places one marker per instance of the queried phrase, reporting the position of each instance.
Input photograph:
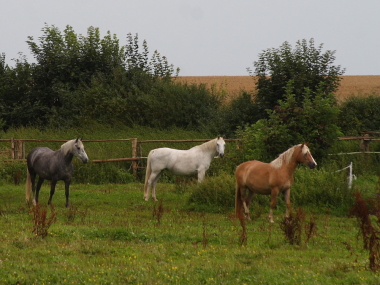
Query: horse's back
(251, 166)
(38, 153)
(180, 162)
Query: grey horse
(52, 165)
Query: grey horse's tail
(147, 174)
(28, 187)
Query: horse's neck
(68, 157)
(209, 148)
(209, 152)
(292, 165)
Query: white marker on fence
(350, 175)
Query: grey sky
(208, 37)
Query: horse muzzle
(221, 155)
(84, 159)
(311, 164)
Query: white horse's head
(220, 145)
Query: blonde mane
(286, 156)
(67, 146)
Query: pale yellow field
(350, 85)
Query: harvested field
(350, 85)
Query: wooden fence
(18, 148)
(364, 140)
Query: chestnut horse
(270, 178)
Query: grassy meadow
(110, 235)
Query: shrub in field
(321, 188)
(370, 231)
(295, 227)
(214, 194)
(158, 211)
(41, 220)
(292, 226)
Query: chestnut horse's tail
(28, 186)
(238, 203)
(147, 174)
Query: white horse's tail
(147, 175)
(28, 187)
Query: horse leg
(273, 201)
(37, 191)
(151, 185)
(33, 182)
(67, 192)
(201, 175)
(154, 186)
(287, 201)
(243, 200)
(52, 190)
(248, 201)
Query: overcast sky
(208, 37)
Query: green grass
(110, 236)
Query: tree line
(84, 79)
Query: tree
(289, 123)
(66, 60)
(305, 64)
(241, 111)
(18, 105)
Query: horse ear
(76, 140)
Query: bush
(241, 111)
(360, 113)
(214, 194)
(13, 172)
(312, 189)
(313, 122)
(321, 189)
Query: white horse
(180, 162)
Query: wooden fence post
(134, 154)
(13, 148)
(364, 143)
(18, 149)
